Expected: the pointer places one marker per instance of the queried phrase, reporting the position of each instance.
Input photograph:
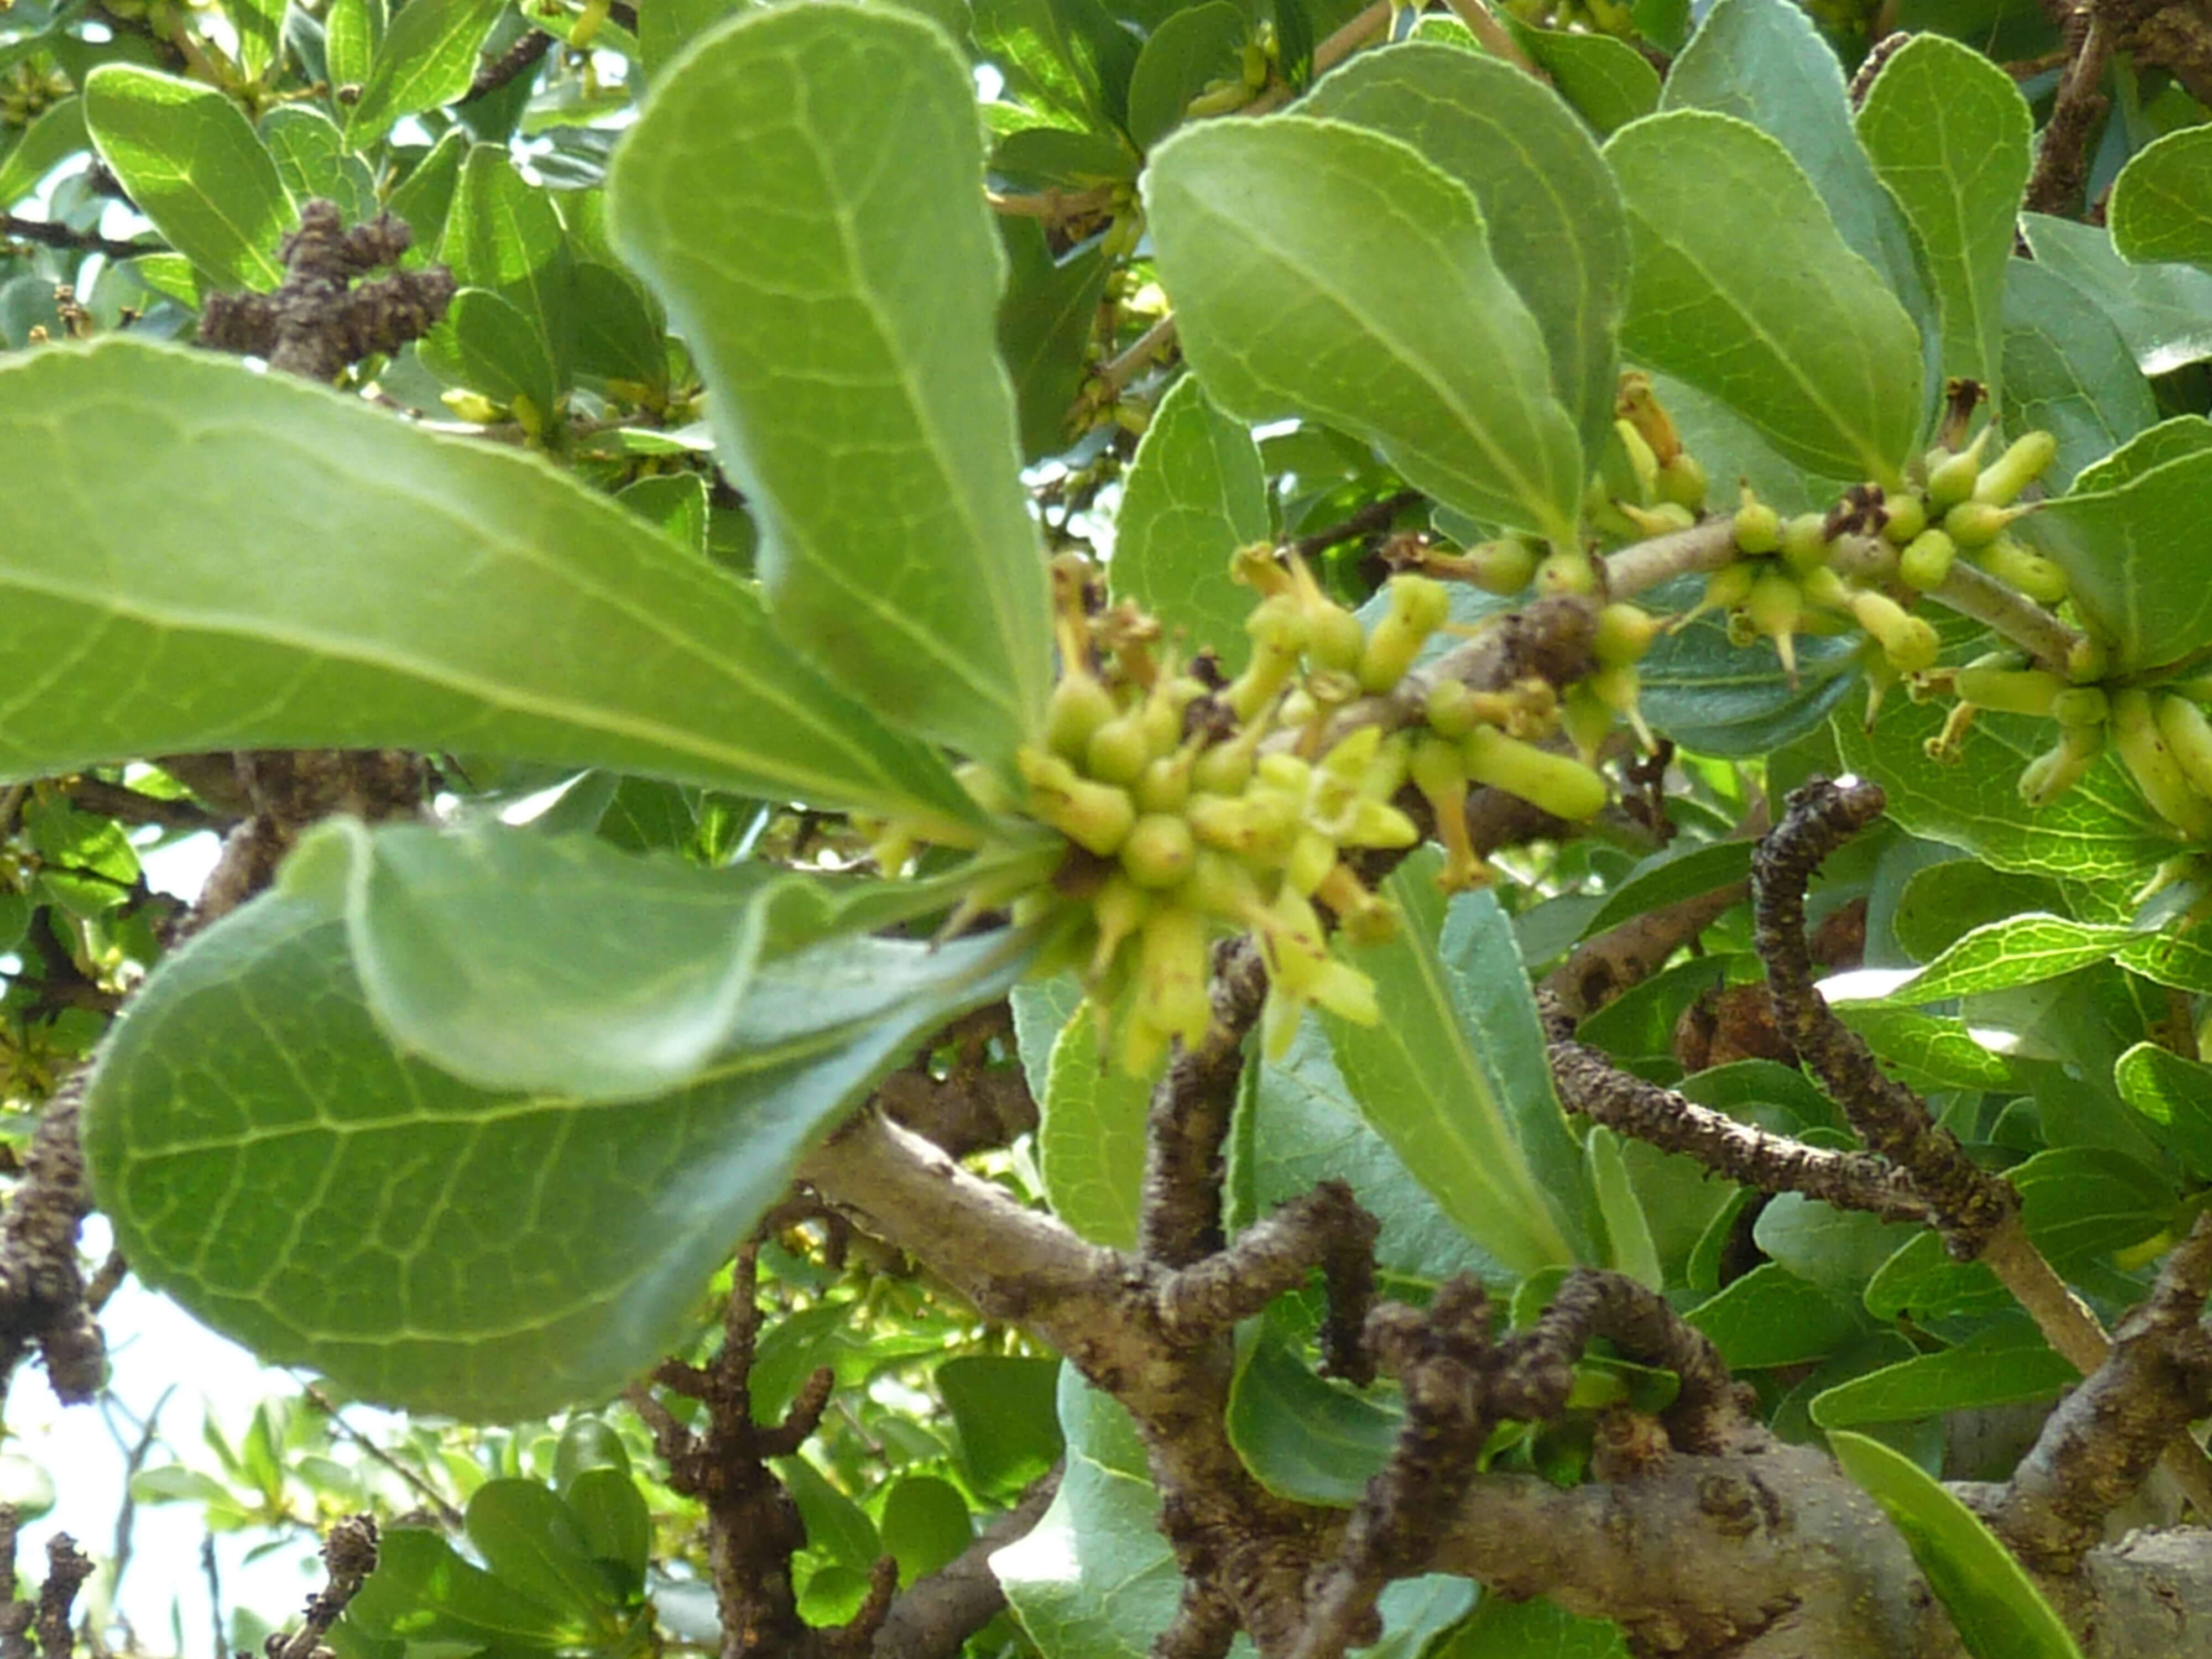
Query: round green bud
(2080, 707)
(1951, 480)
(1337, 640)
(1905, 517)
(1160, 851)
(1758, 526)
(1080, 705)
(1625, 633)
(1977, 524)
(1805, 543)
(1119, 751)
(1682, 481)
(1926, 561)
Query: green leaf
(1607, 82)
(1455, 1078)
(924, 1524)
(1627, 1230)
(2135, 553)
(2176, 1095)
(57, 134)
(262, 1153)
(1837, 1249)
(1195, 493)
(1807, 342)
(1305, 1127)
(424, 199)
(1925, 1283)
(2162, 202)
(2098, 831)
(502, 235)
(529, 1540)
(618, 333)
(1045, 319)
(1304, 1438)
(864, 327)
(2008, 1363)
(1548, 202)
(663, 32)
(1190, 48)
(1764, 62)
(312, 160)
(351, 30)
(1090, 1136)
(1999, 1611)
(1325, 271)
(1068, 59)
(489, 345)
(427, 57)
(2163, 312)
(2017, 951)
(193, 166)
(1037, 158)
(259, 23)
(2068, 371)
(616, 1526)
(1681, 872)
(2082, 1201)
(1535, 1628)
(1931, 1053)
(1771, 1317)
(1003, 1406)
(1950, 135)
(289, 555)
(1735, 701)
(677, 501)
(834, 1522)
(425, 1587)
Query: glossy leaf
(2068, 371)
(56, 134)
(1764, 61)
(427, 57)
(2139, 569)
(861, 333)
(1194, 493)
(351, 32)
(2175, 1094)
(2162, 202)
(263, 1154)
(1807, 342)
(289, 555)
(1928, 1052)
(1066, 58)
(1045, 319)
(2164, 312)
(193, 166)
(2008, 1363)
(1090, 1136)
(424, 1586)
(1190, 48)
(2017, 951)
(1683, 872)
(2098, 831)
(1325, 271)
(1548, 202)
(1998, 1610)
(1455, 1079)
(529, 1539)
(1925, 1282)
(616, 1526)
(1949, 134)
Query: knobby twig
(1599, 969)
(2102, 1439)
(348, 1556)
(47, 234)
(1870, 66)
(29, 1629)
(519, 58)
(1593, 1087)
(321, 317)
(2077, 113)
(1189, 1117)
(1375, 516)
(41, 1281)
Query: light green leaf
(1548, 202)
(351, 30)
(2007, 1363)
(2099, 831)
(312, 160)
(1323, 270)
(1090, 1136)
(502, 235)
(1950, 135)
(259, 24)
(2068, 371)
(1925, 1282)
(1764, 62)
(2162, 202)
(1455, 1079)
(1927, 1051)
(1683, 872)
(663, 32)
(2135, 553)
(530, 1540)
(1190, 48)
(1807, 342)
(1998, 1610)
(2017, 951)
(1627, 1230)
(1303, 1437)
(489, 345)
(2164, 312)
(290, 555)
(57, 134)
(860, 334)
(1607, 82)
(427, 57)
(2082, 1201)
(1194, 493)
(266, 1160)
(1771, 1317)
(2176, 1095)
(1045, 320)
(193, 166)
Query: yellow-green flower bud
(1805, 543)
(1758, 526)
(1164, 784)
(1094, 816)
(1119, 750)
(1625, 633)
(1926, 561)
(1951, 477)
(1419, 605)
(1117, 910)
(2086, 659)
(1158, 851)
(1450, 709)
(2188, 735)
(1909, 643)
(1566, 571)
(1559, 784)
(1503, 567)
(2081, 707)
(2007, 689)
(2052, 773)
(1080, 705)
(1904, 518)
(1775, 605)
(2021, 466)
(2133, 733)
(1682, 481)
(1977, 524)
(1338, 639)
(985, 787)
(2041, 579)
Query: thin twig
(450, 1517)
(1484, 26)
(1146, 346)
(2061, 156)
(1972, 592)
(47, 233)
(349, 1557)
(1375, 515)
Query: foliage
(827, 548)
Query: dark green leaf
(834, 1522)
(2080, 1201)
(1734, 701)
(1771, 1317)
(1607, 82)
(1670, 876)
(1930, 1052)
(1058, 57)
(1195, 493)
(618, 334)
(1808, 342)
(193, 166)
(489, 345)
(677, 501)
(2008, 1363)
(1264, 231)
(1549, 206)
(1302, 1437)
(1535, 1628)
(1949, 134)
(1003, 1406)
(1045, 320)
(1998, 1610)
(1037, 158)
(1925, 1283)
(1190, 49)
(427, 57)
(871, 313)
(2176, 1095)
(530, 1540)
(616, 1526)
(424, 1586)
(502, 235)
(1837, 1249)
(2162, 202)
(924, 1525)
(2133, 550)
(289, 554)
(2163, 312)
(424, 197)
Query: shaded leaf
(2176, 1095)
(1190, 48)
(2129, 540)
(1607, 82)
(1045, 319)
(2008, 1363)
(2164, 312)
(2161, 203)
(427, 57)
(2068, 371)
(1771, 1317)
